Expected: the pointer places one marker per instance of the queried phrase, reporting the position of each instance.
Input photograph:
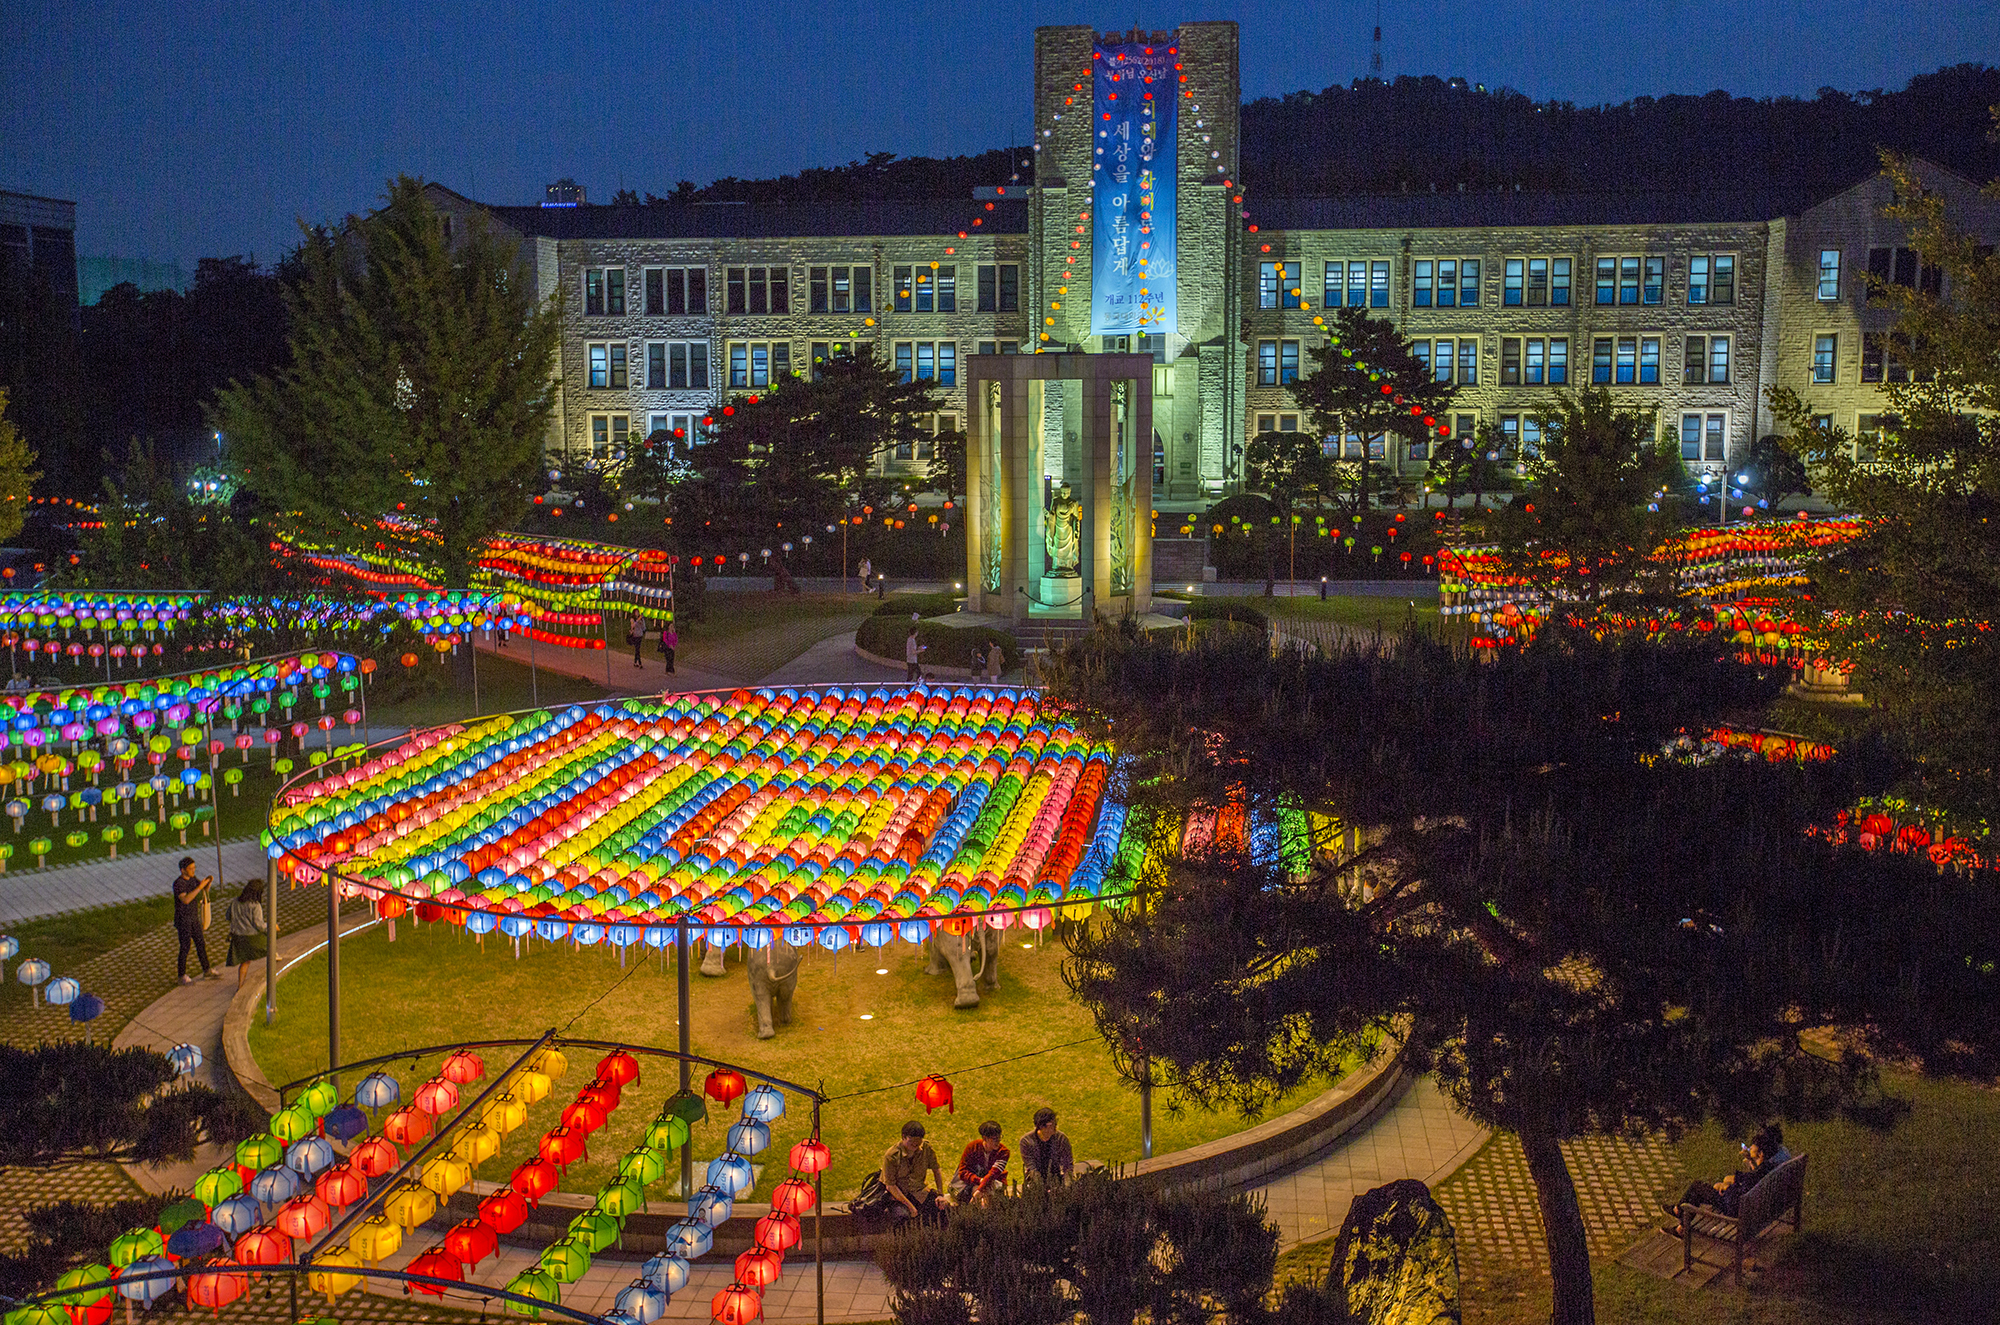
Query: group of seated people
(1762, 1154)
(982, 1172)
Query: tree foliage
(17, 475)
(1572, 932)
(1590, 511)
(1914, 604)
(1098, 1251)
(73, 1103)
(1367, 381)
(153, 534)
(1474, 465)
(412, 414)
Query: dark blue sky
(203, 127)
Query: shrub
(1226, 609)
(923, 604)
(945, 646)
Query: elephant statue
(971, 956)
(774, 975)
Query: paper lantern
(551, 1063)
(731, 1173)
(504, 1211)
(275, 1185)
(375, 1238)
(689, 1239)
(476, 1144)
(375, 1157)
(319, 1099)
(534, 1283)
(810, 1155)
(666, 1271)
(195, 1239)
(643, 1164)
(535, 1179)
(378, 1090)
(461, 1067)
(217, 1185)
(446, 1175)
(594, 1231)
(584, 1116)
(643, 1302)
(260, 1151)
(564, 1146)
(737, 1304)
(436, 1096)
(765, 1103)
(934, 1092)
(410, 1204)
(341, 1186)
(332, 1272)
(748, 1137)
(619, 1198)
(237, 1215)
(472, 1241)
(568, 1260)
(724, 1085)
(310, 1156)
(295, 1123)
(344, 1123)
(505, 1113)
(146, 1280)
(86, 1295)
(263, 1246)
(760, 1267)
(667, 1135)
(619, 1067)
(712, 1205)
(437, 1263)
(407, 1126)
(302, 1217)
(217, 1286)
(793, 1196)
(778, 1230)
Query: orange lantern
(438, 1264)
(217, 1286)
(375, 1157)
(406, 1126)
(584, 1116)
(341, 1186)
(302, 1217)
(463, 1066)
(437, 1096)
(472, 1241)
(263, 1245)
(564, 1146)
(934, 1092)
(760, 1267)
(737, 1304)
(535, 1179)
(620, 1068)
(778, 1230)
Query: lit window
(1267, 363)
(1649, 360)
(1829, 275)
(1378, 285)
(1823, 359)
(1558, 362)
(1288, 361)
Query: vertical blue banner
(1135, 95)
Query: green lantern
(537, 1284)
(260, 1151)
(319, 1099)
(568, 1260)
(217, 1185)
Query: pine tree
(1367, 381)
(412, 416)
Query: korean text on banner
(1132, 189)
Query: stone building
(1687, 304)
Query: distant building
(38, 238)
(1687, 304)
(95, 275)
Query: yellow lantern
(410, 1205)
(476, 1144)
(446, 1175)
(550, 1063)
(505, 1113)
(376, 1239)
(530, 1087)
(327, 1276)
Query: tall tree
(1471, 464)
(17, 478)
(1367, 381)
(155, 534)
(1590, 515)
(1914, 604)
(1575, 935)
(412, 414)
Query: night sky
(204, 127)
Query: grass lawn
(1899, 1227)
(1366, 610)
(866, 1036)
(67, 942)
(505, 685)
(242, 816)
(749, 635)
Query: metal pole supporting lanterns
(681, 949)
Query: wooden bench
(1782, 1190)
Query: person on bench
(904, 1169)
(1763, 1153)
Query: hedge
(923, 604)
(945, 646)
(1226, 609)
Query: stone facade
(1664, 339)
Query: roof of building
(1448, 211)
(944, 216)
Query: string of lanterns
(59, 991)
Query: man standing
(191, 916)
(635, 635)
(912, 651)
(1045, 1155)
(903, 1171)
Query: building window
(1442, 361)
(1715, 437)
(1421, 352)
(755, 364)
(1600, 361)
(1510, 437)
(1536, 282)
(1823, 359)
(1267, 363)
(604, 291)
(926, 289)
(759, 290)
(1445, 283)
(1690, 436)
(1900, 266)
(686, 290)
(1463, 426)
(1288, 362)
(1558, 282)
(609, 432)
(1531, 438)
(1558, 362)
(1707, 361)
(1000, 288)
(1874, 346)
(607, 367)
(1630, 280)
(1468, 363)
(1334, 291)
(1367, 285)
(825, 350)
(1628, 360)
(593, 293)
(1468, 283)
(1512, 288)
(1829, 275)
(1869, 430)
(930, 361)
(1649, 360)
(656, 292)
(1378, 285)
(1532, 369)
(1277, 423)
(656, 368)
(1510, 362)
(1712, 278)
(1278, 286)
(677, 366)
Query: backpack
(873, 1200)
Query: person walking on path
(635, 635)
(191, 917)
(912, 652)
(247, 939)
(867, 570)
(996, 661)
(669, 641)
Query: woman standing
(247, 940)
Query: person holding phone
(191, 917)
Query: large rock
(1396, 1260)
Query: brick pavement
(1491, 1199)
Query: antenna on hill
(1375, 59)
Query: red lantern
(302, 1217)
(406, 1126)
(217, 1285)
(437, 1096)
(390, 906)
(472, 1241)
(438, 1264)
(619, 1068)
(504, 1211)
(725, 1085)
(263, 1245)
(793, 1196)
(778, 1230)
(811, 1155)
(563, 1146)
(737, 1304)
(601, 1092)
(584, 1116)
(375, 1157)
(760, 1267)
(934, 1092)
(463, 1066)
(341, 1186)
(535, 1179)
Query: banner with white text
(1132, 189)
